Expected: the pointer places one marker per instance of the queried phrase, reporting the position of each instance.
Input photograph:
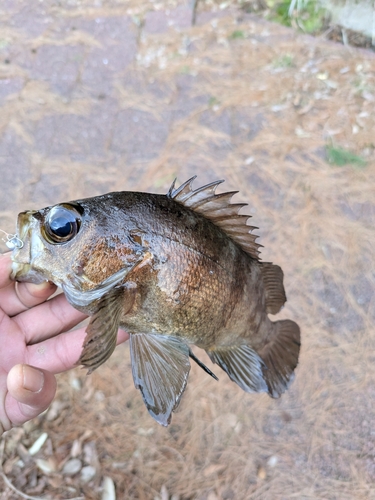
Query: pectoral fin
(160, 366)
(101, 333)
(242, 364)
(78, 298)
(83, 299)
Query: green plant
(213, 101)
(281, 13)
(284, 61)
(237, 34)
(308, 15)
(339, 156)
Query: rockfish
(172, 270)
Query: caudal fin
(268, 370)
(280, 356)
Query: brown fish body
(209, 294)
(170, 274)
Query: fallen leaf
(76, 448)
(164, 493)
(46, 466)
(262, 473)
(109, 492)
(33, 450)
(213, 469)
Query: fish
(173, 271)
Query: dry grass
(258, 111)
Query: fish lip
(24, 272)
(23, 257)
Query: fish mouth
(23, 256)
(24, 272)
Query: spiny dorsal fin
(218, 209)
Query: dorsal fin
(218, 209)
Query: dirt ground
(126, 95)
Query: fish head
(77, 245)
(47, 243)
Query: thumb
(30, 391)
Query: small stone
(87, 473)
(72, 466)
(99, 396)
(355, 129)
(90, 454)
(272, 461)
(145, 432)
(76, 384)
(231, 420)
(368, 96)
(228, 494)
(55, 410)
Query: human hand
(34, 346)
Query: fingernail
(33, 379)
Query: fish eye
(61, 224)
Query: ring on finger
(16, 285)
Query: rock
(72, 466)
(87, 473)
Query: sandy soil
(105, 95)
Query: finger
(61, 353)
(48, 319)
(18, 297)
(30, 391)
(5, 269)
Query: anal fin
(160, 366)
(243, 366)
(273, 286)
(280, 356)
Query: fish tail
(280, 356)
